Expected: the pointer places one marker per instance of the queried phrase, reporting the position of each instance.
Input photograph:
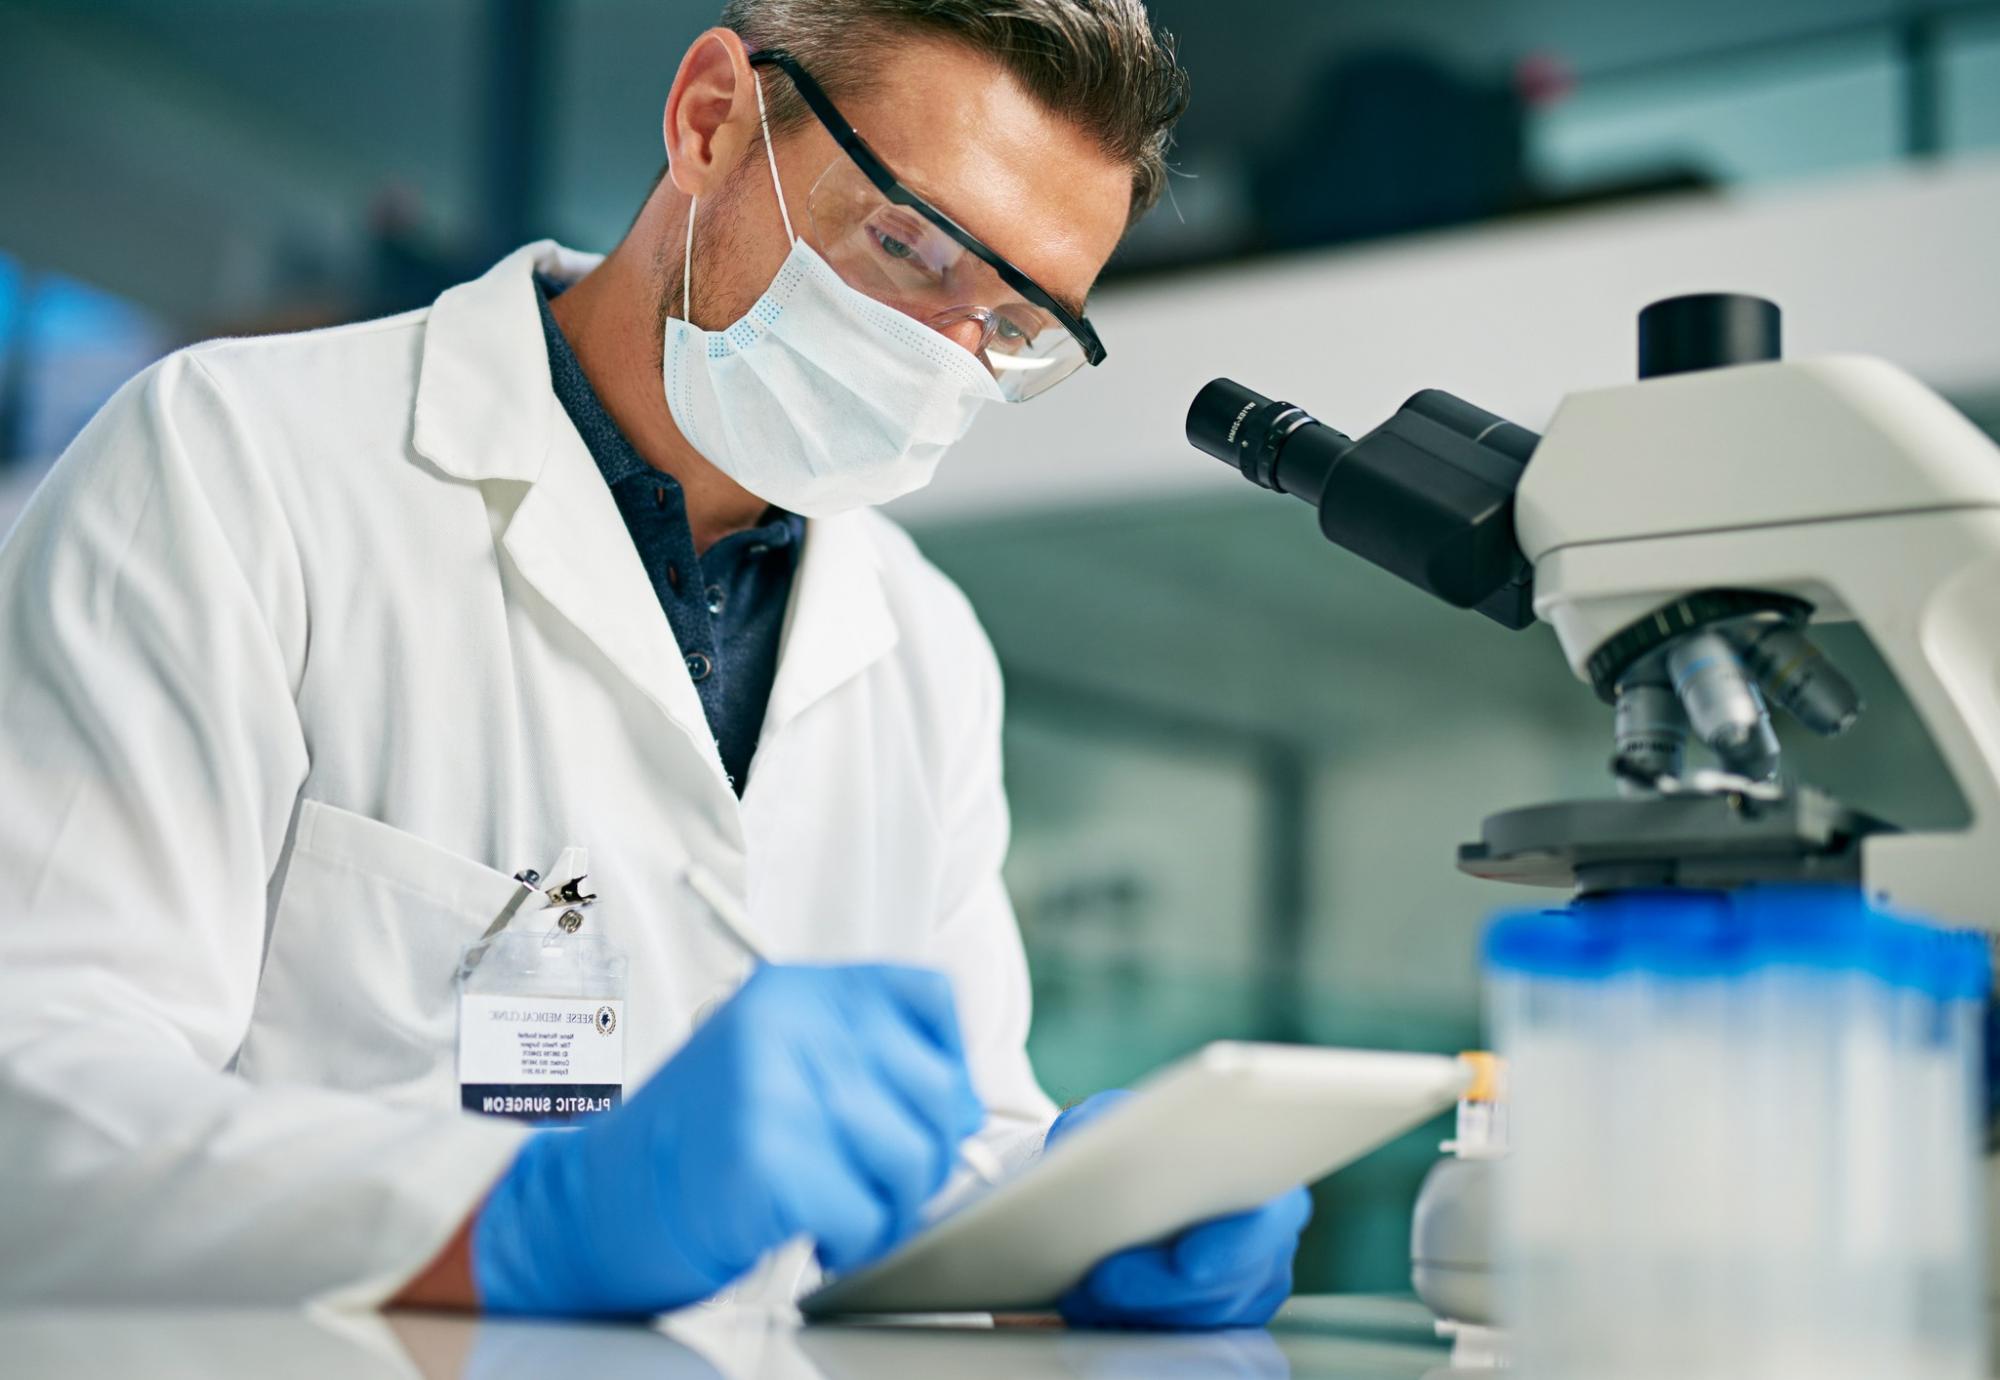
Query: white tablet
(1219, 1132)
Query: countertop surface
(1314, 1339)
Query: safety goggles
(886, 241)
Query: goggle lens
(900, 258)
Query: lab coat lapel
(486, 411)
(569, 541)
(839, 623)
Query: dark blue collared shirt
(727, 608)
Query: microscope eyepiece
(1218, 423)
(1428, 495)
(1243, 428)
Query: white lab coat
(308, 644)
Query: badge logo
(607, 1020)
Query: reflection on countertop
(1315, 1339)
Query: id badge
(541, 1017)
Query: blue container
(1744, 1136)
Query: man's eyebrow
(1068, 304)
(1072, 305)
(917, 184)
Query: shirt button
(699, 666)
(659, 495)
(673, 577)
(759, 550)
(717, 597)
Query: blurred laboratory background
(1240, 759)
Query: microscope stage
(1689, 839)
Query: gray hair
(1100, 63)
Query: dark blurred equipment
(1428, 495)
(408, 264)
(517, 112)
(1389, 142)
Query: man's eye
(894, 247)
(1014, 330)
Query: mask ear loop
(687, 264)
(694, 202)
(770, 156)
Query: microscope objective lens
(1797, 675)
(1650, 733)
(1723, 705)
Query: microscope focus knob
(1707, 330)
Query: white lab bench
(1314, 1339)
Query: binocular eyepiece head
(1428, 495)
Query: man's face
(958, 131)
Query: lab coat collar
(486, 410)
(485, 407)
(839, 622)
(570, 542)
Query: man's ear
(711, 114)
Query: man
(312, 641)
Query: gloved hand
(819, 1102)
(1228, 1272)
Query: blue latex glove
(1228, 1272)
(819, 1102)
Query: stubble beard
(712, 238)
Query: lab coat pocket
(358, 986)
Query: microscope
(1681, 534)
